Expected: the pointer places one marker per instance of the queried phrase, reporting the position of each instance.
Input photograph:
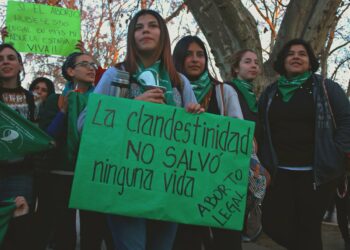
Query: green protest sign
(156, 161)
(42, 29)
(18, 136)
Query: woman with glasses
(58, 118)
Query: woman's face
(297, 61)
(194, 64)
(9, 64)
(41, 90)
(248, 68)
(147, 34)
(84, 70)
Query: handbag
(258, 181)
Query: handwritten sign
(156, 161)
(42, 29)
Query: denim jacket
(332, 141)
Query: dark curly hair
(49, 84)
(278, 65)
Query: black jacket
(331, 143)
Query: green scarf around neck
(287, 87)
(246, 89)
(201, 86)
(158, 76)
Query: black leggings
(293, 210)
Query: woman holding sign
(59, 118)
(191, 59)
(302, 146)
(153, 79)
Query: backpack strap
(222, 99)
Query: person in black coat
(301, 146)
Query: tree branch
(338, 47)
(175, 13)
(266, 18)
(338, 67)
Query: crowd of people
(301, 142)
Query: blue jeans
(12, 186)
(141, 234)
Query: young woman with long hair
(191, 59)
(16, 177)
(148, 53)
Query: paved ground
(330, 234)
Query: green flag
(156, 161)
(18, 136)
(6, 211)
(77, 102)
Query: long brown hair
(180, 54)
(19, 58)
(236, 59)
(164, 49)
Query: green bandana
(288, 87)
(6, 210)
(202, 86)
(158, 76)
(246, 89)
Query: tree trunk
(310, 20)
(229, 26)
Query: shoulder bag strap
(222, 99)
(327, 100)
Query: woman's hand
(153, 95)
(22, 207)
(4, 34)
(63, 102)
(80, 46)
(194, 108)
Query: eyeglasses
(86, 65)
